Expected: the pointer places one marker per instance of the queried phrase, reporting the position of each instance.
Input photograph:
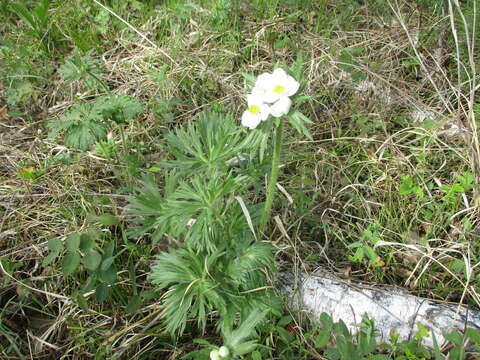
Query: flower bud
(214, 355)
(224, 352)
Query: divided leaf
(82, 126)
(299, 121)
(119, 108)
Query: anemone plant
(217, 267)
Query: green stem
(273, 176)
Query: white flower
(223, 352)
(275, 85)
(257, 111)
(214, 355)
(281, 107)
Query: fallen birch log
(390, 308)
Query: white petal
(265, 91)
(262, 83)
(264, 112)
(263, 77)
(249, 120)
(291, 86)
(279, 73)
(254, 98)
(270, 97)
(281, 107)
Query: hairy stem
(273, 176)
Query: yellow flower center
(279, 89)
(254, 109)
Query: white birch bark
(390, 308)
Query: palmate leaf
(85, 123)
(81, 68)
(195, 284)
(82, 126)
(212, 142)
(194, 211)
(246, 266)
(118, 108)
(206, 201)
(148, 205)
(236, 339)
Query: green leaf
(245, 348)
(422, 331)
(454, 337)
(148, 294)
(108, 219)
(359, 255)
(371, 254)
(436, 349)
(406, 186)
(49, 259)
(245, 330)
(284, 321)
(109, 248)
(322, 339)
(106, 263)
(298, 121)
(118, 108)
(474, 335)
(326, 321)
(72, 242)
(92, 260)
(82, 302)
(87, 241)
(331, 354)
(355, 244)
(134, 304)
(24, 14)
(256, 355)
(109, 276)
(249, 80)
(101, 292)
(27, 173)
(82, 126)
(70, 263)
(466, 181)
(81, 67)
(55, 245)
(341, 329)
(41, 12)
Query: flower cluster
(270, 96)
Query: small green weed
(38, 21)
(83, 250)
(87, 123)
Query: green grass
(377, 174)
